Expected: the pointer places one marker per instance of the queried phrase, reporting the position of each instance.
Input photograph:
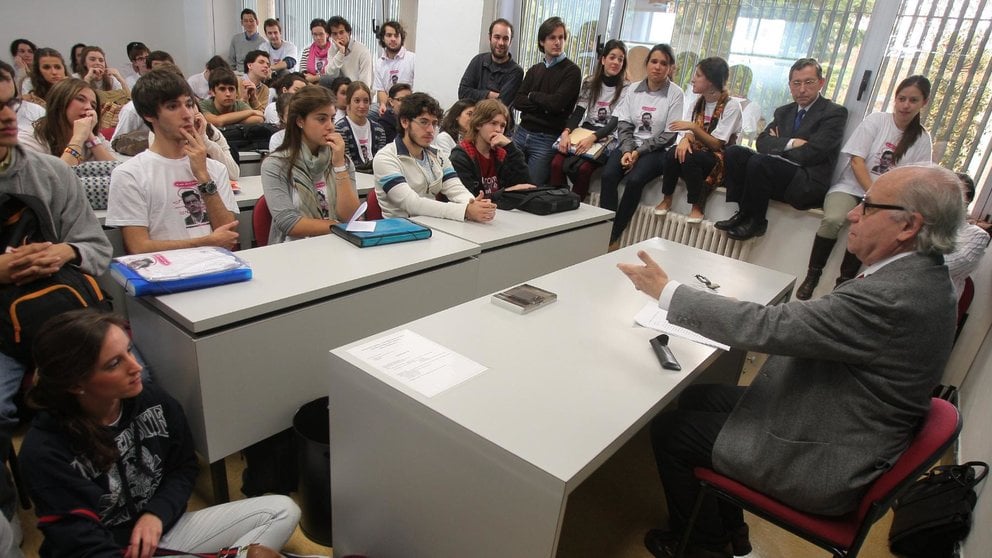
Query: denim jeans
(536, 147)
(268, 520)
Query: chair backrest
(636, 57)
(939, 430)
(261, 222)
(372, 212)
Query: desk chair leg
(15, 472)
(218, 477)
(684, 543)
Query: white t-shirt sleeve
(867, 133)
(127, 203)
(270, 114)
(730, 122)
(920, 153)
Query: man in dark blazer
(849, 376)
(795, 159)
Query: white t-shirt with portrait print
(874, 140)
(730, 123)
(363, 138)
(651, 112)
(598, 113)
(147, 191)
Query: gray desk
(242, 358)
(485, 468)
(517, 246)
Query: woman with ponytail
(109, 461)
(711, 120)
(880, 143)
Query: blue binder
(136, 285)
(387, 231)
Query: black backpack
(25, 308)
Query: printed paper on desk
(417, 362)
(655, 318)
(354, 225)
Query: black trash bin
(311, 428)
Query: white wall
(186, 29)
(976, 444)
(447, 35)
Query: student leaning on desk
(409, 173)
(308, 181)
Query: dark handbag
(542, 200)
(934, 513)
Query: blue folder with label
(174, 271)
(386, 231)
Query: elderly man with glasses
(848, 380)
(795, 159)
(409, 173)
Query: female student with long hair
(363, 137)
(710, 122)
(47, 70)
(880, 143)
(76, 59)
(109, 461)
(69, 129)
(98, 74)
(595, 110)
(648, 110)
(454, 125)
(486, 160)
(309, 182)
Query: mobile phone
(664, 353)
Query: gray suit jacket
(823, 129)
(846, 387)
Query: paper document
(417, 362)
(354, 225)
(655, 318)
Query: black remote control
(665, 355)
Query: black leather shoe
(805, 290)
(728, 224)
(663, 544)
(749, 228)
(740, 542)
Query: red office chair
(261, 222)
(844, 535)
(372, 212)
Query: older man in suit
(795, 159)
(848, 380)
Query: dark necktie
(798, 120)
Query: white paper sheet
(417, 362)
(655, 318)
(354, 225)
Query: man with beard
(396, 65)
(493, 74)
(348, 57)
(146, 199)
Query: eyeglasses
(13, 104)
(866, 205)
(425, 123)
(709, 284)
(808, 83)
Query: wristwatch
(207, 188)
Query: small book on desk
(174, 271)
(387, 231)
(579, 134)
(523, 299)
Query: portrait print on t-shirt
(602, 115)
(885, 160)
(321, 188)
(363, 145)
(189, 204)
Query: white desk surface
(570, 383)
(291, 273)
(515, 226)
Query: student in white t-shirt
(880, 143)
(150, 194)
(363, 136)
(712, 118)
(395, 65)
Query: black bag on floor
(270, 466)
(934, 513)
(542, 200)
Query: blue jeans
(538, 150)
(648, 167)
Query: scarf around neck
(308, 169)
(317, 53)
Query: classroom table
(517, 245)
(485, 468)
(241, 358)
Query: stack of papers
(657, 319)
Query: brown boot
(818, 255)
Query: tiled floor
(607, 515)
